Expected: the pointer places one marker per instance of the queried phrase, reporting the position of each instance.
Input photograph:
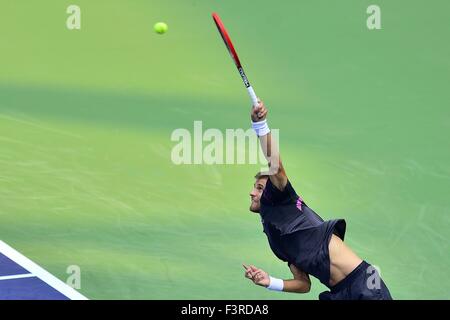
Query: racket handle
(252, 95)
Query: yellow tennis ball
(160, 27)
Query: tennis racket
(226, 38)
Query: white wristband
(261, 128)
(276, 284)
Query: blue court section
(31, 288)
(28, 289)
(22, 279)
(9, 267)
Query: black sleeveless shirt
(296, 234)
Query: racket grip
(252, 95)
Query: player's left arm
(270, 148)
(300, 284)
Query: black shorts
(363, 283)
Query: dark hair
(260, 175)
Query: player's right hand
(259, 112)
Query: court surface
(86, 118)
(22, 279)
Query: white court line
(39, 272)
(17, 276)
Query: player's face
(256, 193)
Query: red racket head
(226, 39)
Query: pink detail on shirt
(299, 203)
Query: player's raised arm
(269, 147)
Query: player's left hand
(258, 276)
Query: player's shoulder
(272, 195)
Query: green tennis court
(86, 116)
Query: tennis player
(300, 237)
